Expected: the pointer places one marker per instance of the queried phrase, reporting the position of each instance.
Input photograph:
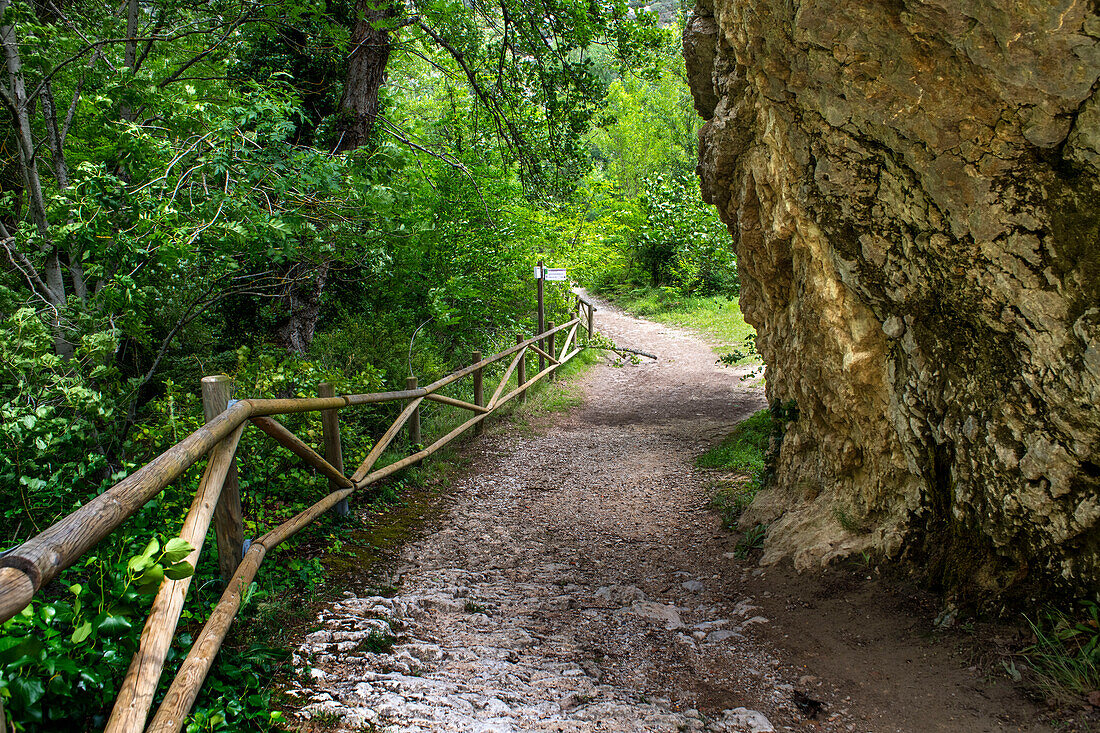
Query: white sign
(551, 273)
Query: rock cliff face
(913, 189)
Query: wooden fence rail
(27, 568)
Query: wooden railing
(30, 566)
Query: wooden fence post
(479, 392)
(521, 370)
(553, 376)
(591, 312)
(542, 319)
(228, 523)
(334, 454)
(414, 420)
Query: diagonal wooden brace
(385, 440)
(294, 444)
(542, 353)
(435, 397)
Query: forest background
(291, 194)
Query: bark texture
(366, 71)
(913, 188)
(302, 300)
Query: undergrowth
(62, 659)
(1065, 656)
(742, 452)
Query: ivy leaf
(82, 632)
(150, 580)
(179, 571)
(138, 564)
(176, 549)
(26, 692)
(114, 625)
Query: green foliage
(1066, 654)
(640, 217)
(237, 695)
(744, 448)
(743, 451)
(649, 126)
(51, 411)
(60, 658)
(682, 242)
(751, 541)
(377, 642)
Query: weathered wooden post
(479, 392)
(414, 419)
(542, 317)
(521, 370)
(591, 319)
(228, 523)
(550, 350)
(330, 430)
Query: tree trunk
(303, 302)
(61, 173)
(366, 69)
(54, 294)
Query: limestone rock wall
(913, 189)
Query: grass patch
(377, 642)
(717, 317)
(730, 499)
(742, 452)
(751, 540)
(1065, 657)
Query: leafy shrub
(55, 422)
(60, 659)
(682, 242)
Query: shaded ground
(577, 582)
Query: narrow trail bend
(577, 582)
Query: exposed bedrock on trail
(913, 189)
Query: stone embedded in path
(665, 613)
(741, 720)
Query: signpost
(542, 274)
(552, 274)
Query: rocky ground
(577, 582)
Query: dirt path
(579, 583)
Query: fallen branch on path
(621, 350)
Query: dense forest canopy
(291, 193)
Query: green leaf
(150, 580)
(21, 653)
(176, 549)
(26, 692)
(82, 632)
(138, 564)
(152, 548)
(179, 571)
(114, 625)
